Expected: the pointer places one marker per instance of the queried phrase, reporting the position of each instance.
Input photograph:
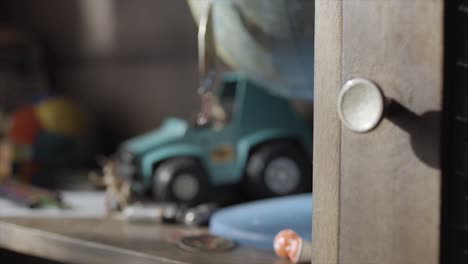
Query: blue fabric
(256, 223)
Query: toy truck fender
(156, 156)
(248, 143)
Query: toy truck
(262, 144)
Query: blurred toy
(259, 140)
(47, 134)
(30, 196)
(59, 115)
(140, 213)
(169, 213)
(25, 126)
(200, 215)
(255, 224)
(174, 213)
(290, 245)
(117, 189)
(244, 134)
(271, 41)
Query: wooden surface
(326, 131)
(390, 177)
(112, 241)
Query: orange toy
(289, 245)
(25, 126)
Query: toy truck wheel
(278, 169)
(180, 180)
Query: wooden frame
(327, 130)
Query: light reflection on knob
(361, 105)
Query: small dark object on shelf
(206, 242)
(173, 213)
(199, 215)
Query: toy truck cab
(262, 142)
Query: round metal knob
(361, 105)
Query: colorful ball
(53, 149)
(25, 126)
(60, 116)
(48, 133)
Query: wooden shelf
(112, 241)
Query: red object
(25, 126)
(287, 244)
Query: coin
(206, 242)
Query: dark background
(129, 63)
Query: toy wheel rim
(282, 175)
(185, 187)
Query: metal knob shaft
(361, 105)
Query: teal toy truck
(261, 144)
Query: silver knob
(361, 105)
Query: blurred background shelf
(111, 241)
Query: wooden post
(327, 131)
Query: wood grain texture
(390, 177)
(327, 129)
(111, 241)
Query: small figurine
(289, 245)
(118, 191)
